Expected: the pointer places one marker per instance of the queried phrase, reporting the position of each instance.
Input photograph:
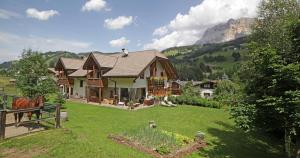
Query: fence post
(57, 117)
(2, 124)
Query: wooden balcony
(157, 91)
(95, 82)
(65, 81)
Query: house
(117, 77)
(128, 76)
(71, 80)
(207, 88)
(12, 82)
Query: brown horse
(24, 103)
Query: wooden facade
(95, 85)
(63, 79)
(156, 84)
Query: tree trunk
(287, 143)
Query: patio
(124, 107)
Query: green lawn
(8, 89)
(85, 134)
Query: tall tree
(272, 75)
(32, 76)
(236, 56)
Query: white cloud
(118, 23)
(94, 5)
(119, 42)
(11, 45)
(186, 29)
(161, 31)
(40, 15)
(6, 14)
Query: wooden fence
(47, 111)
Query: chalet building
(205, 88)
(112, 78)
(71, 77)
(119, 77)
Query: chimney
(125, 52)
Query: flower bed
(158, 143)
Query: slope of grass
(8, 89)
(85, 134)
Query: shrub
(197, 101)
(163, 150)
(228, 93)
(181, 140)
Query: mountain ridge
(228, 31)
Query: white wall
(210, 91)
(77, 89)
(128, 83)
(139, 83)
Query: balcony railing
(65, 81)
(95, 82)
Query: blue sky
(109, 25)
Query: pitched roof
(133, 64)
(105, 60)
(79, 73)
(52, 70)
(71, 63)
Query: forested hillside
(209, 61)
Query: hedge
(197, 101)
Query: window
(162, 74)
(206, 85)
(81, 83)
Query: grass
(85, 134)
(8, 89)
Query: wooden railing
(50, 112)
(65, 81)
(95, 82)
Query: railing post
(2, 124)
(57, 117)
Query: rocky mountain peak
(228, 31)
